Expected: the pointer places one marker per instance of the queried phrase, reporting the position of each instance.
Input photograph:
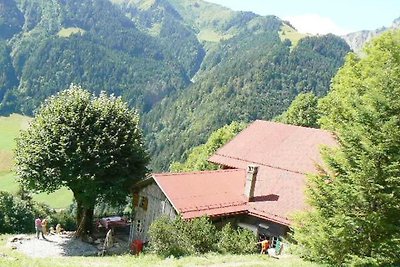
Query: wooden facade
(149, 204)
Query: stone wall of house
(151, 204)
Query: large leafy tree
(89, 144)
(356, 215)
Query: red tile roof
(204, 193)
(284, 153)
(278, 193)
(276, 145)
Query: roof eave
(142, 183)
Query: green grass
(291, 34)
(210, 35)
(203, 15)
(67, 32)
(13, 258)
(59, 199)
(9, 129)
(8, 182)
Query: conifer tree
(356, 200)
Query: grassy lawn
(60, 199)
(11, 258)
(9, 130)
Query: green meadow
(13, 258)
(9, 129)
(291, 34)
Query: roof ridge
(205, 195)
(198, 172)
(263, 164)
(294, 126)
(215, 206)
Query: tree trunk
(84, 218)
(85, 226)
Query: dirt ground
(62, 245)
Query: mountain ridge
(189, 67)
(357, 40)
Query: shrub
(179, 237)
(16, 215)
(201, 233)
(168, 239)
(66, 219)
(236, 241)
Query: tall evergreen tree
(356, 201)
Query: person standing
(44, 226)
(38, 227)
(264, 246)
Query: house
(261, 182)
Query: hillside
(239, 85)
(356, 40)
(188, 66)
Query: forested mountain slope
(94, 44)
(250, 77)
(188, 66)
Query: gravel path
(52, 246)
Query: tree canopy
(356, 215)
(90, 144)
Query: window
(139, 226)
(144, 202)
(274, 239)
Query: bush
(16, 215)
(236, 241)
(356, 261)
(103, 209)
(66, 219)
(168, 239)
(179, 238)
(201, 233)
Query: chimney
(251, 176)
